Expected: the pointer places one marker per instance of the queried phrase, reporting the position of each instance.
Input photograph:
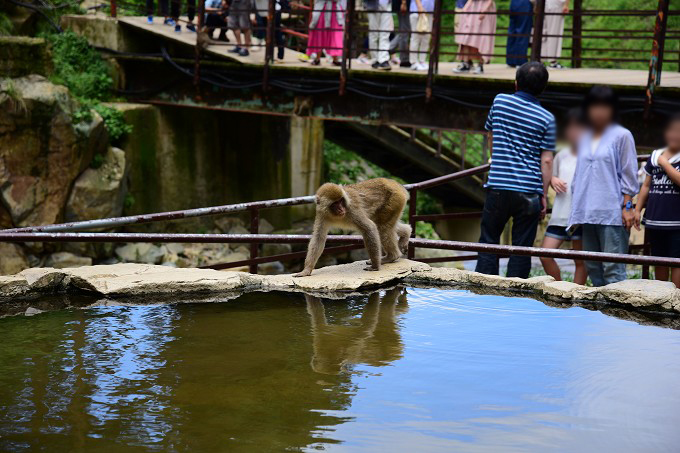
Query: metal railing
(581, 36)
(72, 232)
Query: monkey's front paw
(302, 274)
(371, 268)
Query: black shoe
(236, 49)
(191, 27)
(279, 54)
(244, 52)
(405, 64)
(223, 36)
(375, 65)
(178, 28)
(385, 66)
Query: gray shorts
(239, 15)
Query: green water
(404, 370)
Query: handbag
(423, 24)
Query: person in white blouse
(564, 166)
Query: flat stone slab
(150, 283)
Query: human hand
(421, 10)
(663, 158)
(404, 8)
(628, 217)
(481, 17)
(565, 10)
(544, 206)
(558, 184)
(636, 221)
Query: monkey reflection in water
(374, 339)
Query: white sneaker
(423, 67)
(478, 69)
(415, 66)
(365, 60)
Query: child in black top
(660, 194)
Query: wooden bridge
(402, 120)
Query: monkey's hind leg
(390, 243)
(404, 233)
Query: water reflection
(447, 370)
(371, 339)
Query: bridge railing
(75, 232)
(634, 38)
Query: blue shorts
(561, 233)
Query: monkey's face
(338, 208)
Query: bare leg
(580, 272)
(549, 264)
(247, 33)
(675, 277)
(661, 273)
(237, 33)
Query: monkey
(372, 208)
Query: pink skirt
(470, 23)
(324, 38)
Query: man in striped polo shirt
(523, 143)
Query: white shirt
(564, 167)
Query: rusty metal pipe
(302, 238)
(115, 222)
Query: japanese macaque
(372, 208)
(373, 339)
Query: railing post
(269, 44)
(113, 8)
(346, 46)
(577, 34)
(645, 251)
(412, 221)
(197, 47)
(537, 38)
(254, 229)
(656, 59)
(434, 48)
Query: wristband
(629, 205)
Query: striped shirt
(522, 130)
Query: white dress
(551, 47)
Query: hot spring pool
(413, 370)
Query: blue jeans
(518, 46)
(501, 205)
(609, 239)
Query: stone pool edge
(151, 282)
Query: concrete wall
(183, 158)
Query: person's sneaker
(244, 52)
(555, 65)
(236, 49)
(169, 21)
(303, 57)
(223, 36)
(363, 59)
(385, 66)
(478, 69)
(462, 68)
(279, 53)
(405, 64)
(149, 20)
(423, 67)
(375, 65)
(191, 27)
(178, 28)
